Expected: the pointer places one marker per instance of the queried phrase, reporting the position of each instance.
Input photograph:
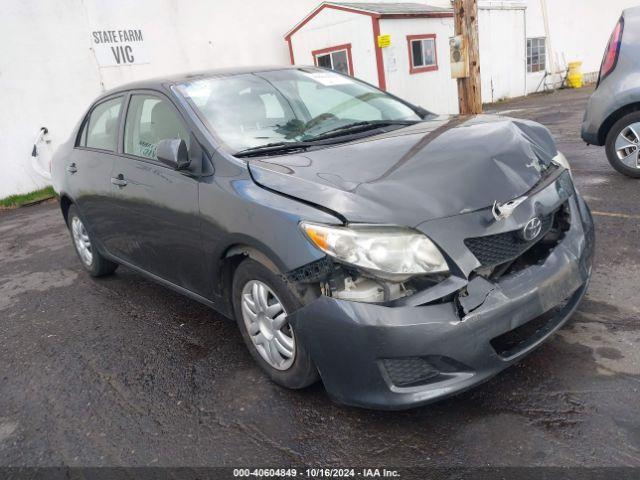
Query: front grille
(493, 250)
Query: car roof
(161, 83)
(631, 12)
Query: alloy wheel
(267, 325)
(82, 241)
(627, 145)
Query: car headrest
(110, 126)
(164, 122)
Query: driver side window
(149, 120)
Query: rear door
(88, 167)
(157, 206)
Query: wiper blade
(273, 147)
(278, 147)
(360, 127)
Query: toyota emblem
(532, 229)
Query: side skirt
(177, 288)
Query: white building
(51, 67)
(49, 74)
(416, 64)
(569, 31)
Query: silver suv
(612, 117)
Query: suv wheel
(261, 302)
(623, 145)
(92, 261)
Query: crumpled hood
(438, 168)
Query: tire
(296, 371)
(94, 263)
(626, 125)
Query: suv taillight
(611, 53)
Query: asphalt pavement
(122, 371)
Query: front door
(157, 205)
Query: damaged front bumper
(405, 355)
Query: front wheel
(92, 261)
(623, 145)
(262, 301)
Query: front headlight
(390, 251)
(561, 160)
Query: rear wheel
(92, 261)
(262, 301)
(623, 145)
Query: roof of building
(392, 8)
(377, 10)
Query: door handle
(119, 181)
(72, 168)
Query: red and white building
(416, 64)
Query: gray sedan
(396, 255)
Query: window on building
(536, 54)
(100, 130)
(336, 58)
(422, 53)
(149, 120)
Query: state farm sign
(115, 48)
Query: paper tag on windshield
(328, 78)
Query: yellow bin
(574, 76)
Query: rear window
(100, 130)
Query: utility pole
(466, 25)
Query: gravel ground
(121, 371)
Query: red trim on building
(337, 48)
(382, 81)
(428, 68)
(375, 21)
(318, 9)
(293, 62)
(417, 15)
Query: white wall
(583, 36)
(503, 60)
(535, 28)
(434, 90)
(578, 31)
(49, 76)
(333, 27)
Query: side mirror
(173, 152)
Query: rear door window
(149, 120)
(101, 128)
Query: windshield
(294, 105)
